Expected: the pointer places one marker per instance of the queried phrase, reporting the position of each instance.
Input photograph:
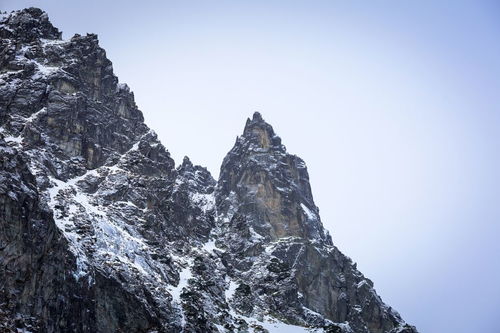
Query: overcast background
(394, 106)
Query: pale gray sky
(393, 105)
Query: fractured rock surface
(101, 232)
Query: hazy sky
(394, 106)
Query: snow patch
(15, 139)
(209, 246)
(35, 115)
(44, 70)
(229, 293)
(50, 42)
(362, 283)
(184, 275)
(206, 202)
(310, 214)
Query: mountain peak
(257, 116)
(186, 162)
(271, 185)
(260, 134)
(108, 224)
(27, 25)
(257, 119)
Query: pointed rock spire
(257, 116)
(177, 252)
(260, 134)
(196, 177)
(270, 186)
(186, 162)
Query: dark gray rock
(278, 246)
(100, 232)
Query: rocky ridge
(100, 232)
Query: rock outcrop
(100, 232)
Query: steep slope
(107, 189)
(280, 253)
(100, 232)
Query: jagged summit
(100, 232)
(256, 120)
(186, 162)
(258, 134)
(266, 212)
(27, 25)
(257, 116)
(273, 186)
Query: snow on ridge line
(49, 42)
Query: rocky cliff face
(100, 232)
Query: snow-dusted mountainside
(100, 232)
